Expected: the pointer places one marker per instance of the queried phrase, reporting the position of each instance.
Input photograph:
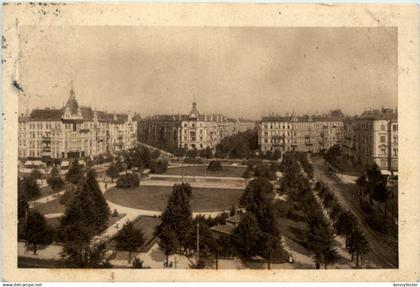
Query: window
(395, 128)
(395, 151)
(382, 139)
(383, 151)
(382, 127)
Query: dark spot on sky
(17, 85)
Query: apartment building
(73, 131)
(304, 133)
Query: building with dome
(73, 131)
(192, 130)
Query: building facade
(194, 130)
(73, 131)
(373, 138)
(305, 133)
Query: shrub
(214, 166)
(115, 213)
(139, 264)
(128, 180)
(67, 197)
(159, 165)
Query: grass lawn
(156, 198)
(54, 206)
(228, 171)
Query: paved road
(382, 254)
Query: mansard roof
(46, 114)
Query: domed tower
(194, 112)
(72, 109)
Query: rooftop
(224, 228)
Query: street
(383, 249)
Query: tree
(345, 224)
(75, 173)
(257, 191)
(37, 231)
(159, 165)
(139, 264)
(264, 171)
(232, 210)
(246, 236)
(101, 208)
(36, 174)
(85, 216)
(214, 166)
(358, 244)
(29, 188)
(55, 181)
(177, 216)
(246, 174)
(268, 243)
(112, 172)
(129, 239)
(319, 239)
(168, 241)
(361, 183)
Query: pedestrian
(291, 258)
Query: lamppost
(198, 240)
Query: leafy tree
(361, 183)
(29, 188)
(257, 191)
(268, 244)
(264, 171)
(139, 264)
(155, 154)
(36, 174)
(112, 172)
(37, 231)
(177, 216)
(319, 239)
(23, 206)
(232, 210)
(101, 208)
(159, 165)
(85, 217)
(55, 181)
(358, 244)
(129, 239)
(75, 173)
(214, 166)
(246, 236)
(168, 241)
(247, 174)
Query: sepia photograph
(228, 147)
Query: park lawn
(156, 198)
(228, 171)
(54, 206)
(147, 224)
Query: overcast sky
(240, 72)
